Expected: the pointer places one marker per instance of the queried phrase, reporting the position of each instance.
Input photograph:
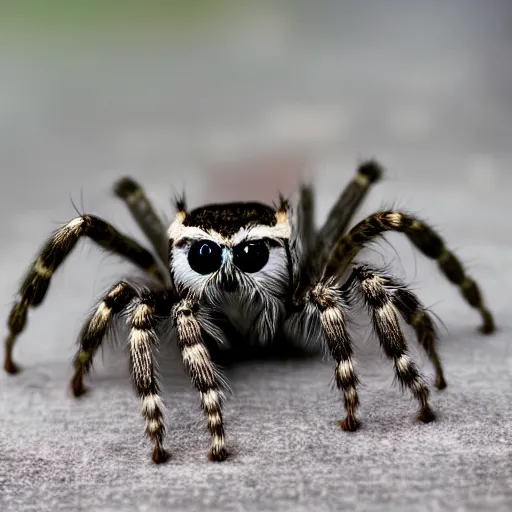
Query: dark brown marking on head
(227, 219)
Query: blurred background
(232, 100)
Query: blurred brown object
(255, 178)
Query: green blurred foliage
(111, 15)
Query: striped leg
(203, 374)
(36, 283)
(144, 214)
(95, 330)
(381, 307)
(425, 239)
(142, 341)
(412, 311)
(332, 317)
(345, 208)
(418, 317)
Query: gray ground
(427, 91)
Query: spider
(260, 273)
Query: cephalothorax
(267, 274)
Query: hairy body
(245, 275)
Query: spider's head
(234, 257)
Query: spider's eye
(205, 257)
(251, 257)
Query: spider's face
(235, 257)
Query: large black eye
(251, 256)
(205, 257)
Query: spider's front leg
(142, 341)
(326, 304)
(37, 281)
(383, 300)
(425, 239)
(96, 328)
(202, 372)
(145, 307)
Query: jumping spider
(262, 272)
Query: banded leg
(144, 214)
(345, 207)
(383, 311)
(419, 318)
(142, 341)
(95, 330)
(203, 374)
(425, 239)
(332, 317)
(36, 283)
(413, 312)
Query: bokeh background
(232, 100)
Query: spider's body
(245, 275)
(248, 273)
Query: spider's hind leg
(347, 204)
(144, 214)
(318, 246)
(384, 306)
(307, 217)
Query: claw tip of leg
(218, 455)
(160, 456)
(427, 415)
(372, 170)
(488, 328)
(440, 383)
(11, 367)
(349, 424)
(77, 387)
